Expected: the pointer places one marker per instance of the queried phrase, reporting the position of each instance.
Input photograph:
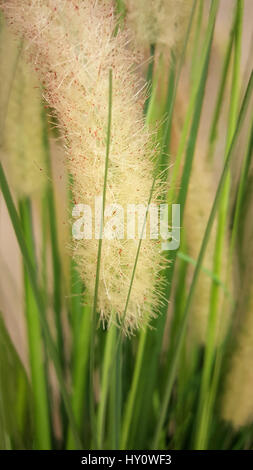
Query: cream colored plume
(237, 400)
(237, 404)
(198, 207)
(21, 121)
(73, 46)
(162, 22)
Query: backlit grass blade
(79, 396)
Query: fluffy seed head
(237, 404)
(160, 22)
(21, 123)
(198, 207)
(73, 46)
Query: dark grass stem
(56, 261)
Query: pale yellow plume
(21, 120)
(73, 46)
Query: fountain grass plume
(161, 22)
(73, 46)
(21, 123)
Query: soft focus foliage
(161, 22)
(199, 203)
(21, 107)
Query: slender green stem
(221, 91)
(80, 373)
(133, 390)
(196, 44)
(106, 369)
(116, 398)
(241, 192)
(121, 8)
(209, 273)
(150, 76)
(56, 262)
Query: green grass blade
(38, 298)
(130, 404)
(80, 374)
(150, 77)
(36, 353)
(209, 273)
(15, 396)
(221, 91)
(116, 397)
(196, 43)
(106, 376)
